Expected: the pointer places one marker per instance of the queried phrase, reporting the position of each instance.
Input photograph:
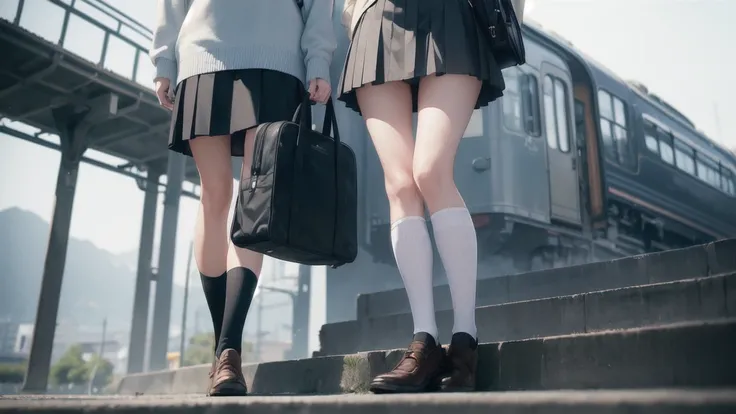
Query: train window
(613, 126)
(708, 171)
(511, 100)
(730, 185)
(549, 113)
(555, 113)
(561, 108)
(684, 157)
(619, 114)
(604, 101)
(530, 100)
(652, 144)
(725, 179)
(665, 147)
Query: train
(572, 165)
(575, 164)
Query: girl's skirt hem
(230, 103)
(406, 40)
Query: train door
(561, 148)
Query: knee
(431, 179)
(400, 188)
(217, 196)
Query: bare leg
(243, 268)
(387, 112)
(212, 156)
(445, 106)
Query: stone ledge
(691, 354)
(672, 265)
(672, 401)
(688, 300)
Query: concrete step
(689, 300)
(672, 265)
(681, 355)
(672, 401)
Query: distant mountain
(97, 283)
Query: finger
(324, 94)
(165, 100)
(161, 95)
(312, 89)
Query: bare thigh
(387, 111)
(212, 156)
(445, 106)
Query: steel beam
(300, 314)
(139, 324)
(167, 249)
(73, 136)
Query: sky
(677, 48)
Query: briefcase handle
(303, 117)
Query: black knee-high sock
(241, 285)
(214, 293)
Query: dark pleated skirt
(404, 40)
(229, 103)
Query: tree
(201, 349)
(102, 370)
(71, 368)
(12, 373)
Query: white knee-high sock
(413, 252)
(457, 245)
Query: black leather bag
(299, 202)
(497, 19)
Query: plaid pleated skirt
(405, 40)
(229, 103)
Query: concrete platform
(682, 355)
(674, 401)
(692, 262)
(681, 301)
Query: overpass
(46, 90)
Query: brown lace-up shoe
(417, 371)
(211, 376)
(462, 363)
(227, 379)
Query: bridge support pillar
(300, 314)
(165, 275)
(139, 323)
(72, 134)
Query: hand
(319, 90)
(162, 92)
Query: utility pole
(182, 342)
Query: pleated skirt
(229, 103)
(405, 40)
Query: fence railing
(76, 25)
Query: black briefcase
(298, 202)
(498, 20)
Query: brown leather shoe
(462, 363)
(228, 377)
(417, 371)
(211, 376)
